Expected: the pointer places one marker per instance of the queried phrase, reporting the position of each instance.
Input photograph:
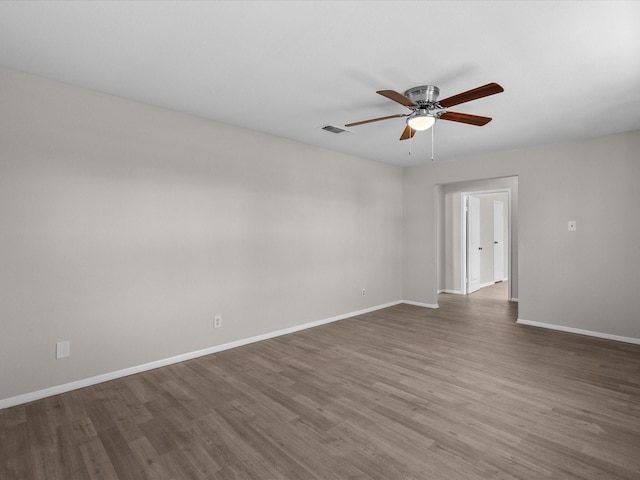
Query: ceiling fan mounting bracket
(424, 94)
(425, 98)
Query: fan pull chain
(433, 127)
(410, 139)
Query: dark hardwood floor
(456, 393)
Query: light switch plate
(572, 225)
(63, 350)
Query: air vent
(335, 129)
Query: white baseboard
(487, 284)
(420, 304)
(579, 331)
(514, 299)
(87, 382)
(454, 292)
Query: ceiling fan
(426, 109)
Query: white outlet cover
(63, 350)
(572, 225)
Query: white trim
(463, 243)
(514, 299)
(105, 377)
(420, 304)
(579, 331)
(454, 292)
(487, 284)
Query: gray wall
(585, 279)
(125, 228)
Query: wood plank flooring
(456, 393)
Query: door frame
(472, 249)
(463, 236)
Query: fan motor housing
(423, 94)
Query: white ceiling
(570, 69)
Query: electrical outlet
(217, 321)
(364, 292)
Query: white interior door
(473, 244)
(498, 241)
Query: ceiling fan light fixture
(421, 122)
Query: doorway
(466, 261)
(484, 249)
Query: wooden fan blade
(408, 133)
(465, 118)
(397, 97)
(374, 120)
(484, 91)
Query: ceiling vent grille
(335, 129)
